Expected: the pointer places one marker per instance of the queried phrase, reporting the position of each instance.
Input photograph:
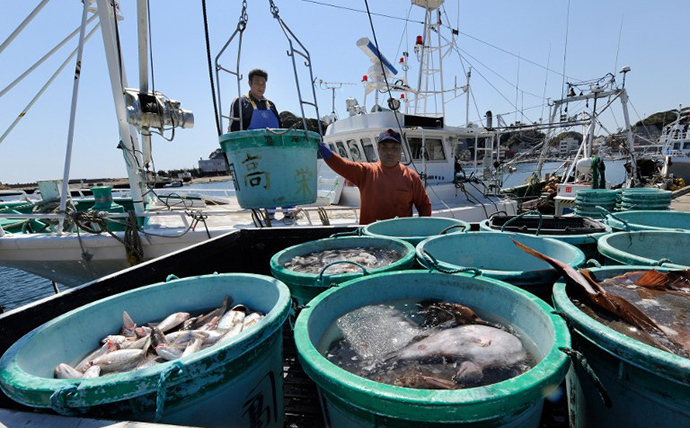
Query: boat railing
(187, 216)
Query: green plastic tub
(649, 220)
(228, 384)
(647, 247)
(349, 401)
(496, 256)
(648, 387)
(415, 229)
(306, 286)
(580, 232)
(272, 168)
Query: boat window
(434, 148)
(686, 146)
(341, 149)
(355, 150)
(676, 146)
(369, 150)
(331, 146)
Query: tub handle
(593, 263)
(356, 232)
(662, 260)
(455, 226)
(171, 277)
(435, 265)
(57, 400)
(175, 367)
(320, 281)
(608, 213)
(541, 220)
(579, 359)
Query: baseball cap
(389, 135)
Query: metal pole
(44, 88)
(631, 141)
(467, 100)
(26, 21)
(143, 39)
(440, 64)
(118, 81)
(72, 116)
(45, 57)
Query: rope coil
(176, 367)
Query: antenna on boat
(332, 86)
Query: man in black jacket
(257, 111)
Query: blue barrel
(272, 168)
(580, 232)
(647, 247)
(649, 220)
(497, 256)
(228, 384)
(306, 286)
(351, 401)
(647, 386)
(415, 229)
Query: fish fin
(653, 279)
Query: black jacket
(248, 111)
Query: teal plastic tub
(226, 385)
(350, 401)
(306, 286)
(649, 220)
(272, 168)
(496, 256)
(415, 229)
(648, 248)
(648, 387)
(578, 233)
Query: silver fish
(252, 319)
(121, 360)
(86, 362)
(172, 321)
(234, 316)
(65, 371)
(169, 352)
(128, 325)
(193, 347)
(234, 331)
(92, 372)
(219, 312)
(185, 336)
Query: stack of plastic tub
(644, 199)
(587, 201)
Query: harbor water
(18, 288)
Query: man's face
(389, 153)
(257, 86)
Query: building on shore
(215, 164)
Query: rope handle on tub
(608, 213)
(161, 392)
(541, 220)
(435, 265)
(455, 226)
(356, 232)
(320, 281)
(578, 358)
(58, 398)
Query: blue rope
(437, 266)
(455, 226)
(162, 388)
(608, 213)
(593, 263)
(578, 358)
(661, 261)
(356, 232)
(57, 400)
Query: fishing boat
(72, 240)
(675, 147)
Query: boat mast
(425, 49)
(129, 143)
(143, 37)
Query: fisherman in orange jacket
(387, 188)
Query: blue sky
(652, 42)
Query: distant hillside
(662, 118)
(290, 120)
